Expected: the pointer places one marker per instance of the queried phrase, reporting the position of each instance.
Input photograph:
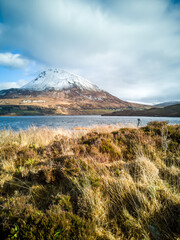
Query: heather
(108, 182)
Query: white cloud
(18, 84)
(12, 60)
(130, 48)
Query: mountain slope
(169, 111)
(66, 93)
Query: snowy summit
(57, 79)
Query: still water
(68, 122)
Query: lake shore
(70, 121)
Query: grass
(23, 110)
(104, 182)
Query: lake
(68, 122)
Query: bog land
(103, 183)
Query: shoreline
(69, 122)
(102, 115)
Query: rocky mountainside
(66, 93)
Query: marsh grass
(103, 182)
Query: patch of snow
(57, 79)
(39, 101)
(90, 97)
(67, 91)
(34, 101)
(26, 101)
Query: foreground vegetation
(105, 183)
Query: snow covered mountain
(56, 91)
(57, 79)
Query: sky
(130, 48)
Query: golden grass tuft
(103, 182)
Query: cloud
(12, 60)
(18, 84)
(130, 48)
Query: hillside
(65, 93)
(98, 184)
(169, 111)
(165, 104)
(34, 110)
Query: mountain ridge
(166, 104)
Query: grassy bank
(101, 183)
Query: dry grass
(44, 136)
(103, 182)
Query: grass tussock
(101, 183)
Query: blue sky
(130, 48)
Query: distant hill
(62, 93)
(169, 111)
(166, 104)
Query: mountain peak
(59, 79)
